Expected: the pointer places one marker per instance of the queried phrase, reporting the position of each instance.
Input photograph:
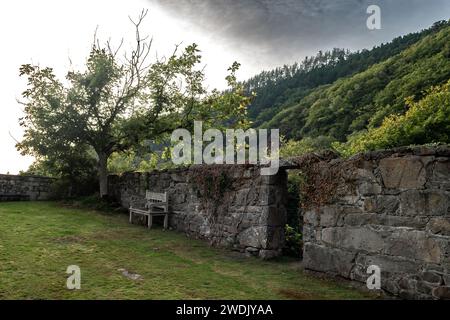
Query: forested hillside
(337, 94)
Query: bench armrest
(158, 205)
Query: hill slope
(384, 78)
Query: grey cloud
(286, 30)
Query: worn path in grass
(39, 240)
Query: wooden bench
(155, 204)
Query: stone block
(354, 238)
(390, 285)
(311, 217)
(360, 219)
(329, 216)
(389, 265)
(269, 254)
(326, 259)
(446, 278)
(432, 277)
(177, 198)
(439, 226)
(441, 174)
(385, 204)
(309, 233)
(418, 222)
(241, 197)
(253, 237)
(415, 245)
(442, 292)
(272, 216)
(407, 283)
(427, 202)
(369, 188)
(250, 251)
(403, 173)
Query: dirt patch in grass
(119, 234)
(295, 295)
(69, 239)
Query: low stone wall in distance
(390, 209)
(230, 206)
(15, 187)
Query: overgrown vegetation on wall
(214, 186)
(318, 178)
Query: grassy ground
(39, 240)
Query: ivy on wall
(214, 185)
(319, 178)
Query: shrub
(293, 148)
(293, 203)
(94, 202)
(293, 242)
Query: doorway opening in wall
(294, 223)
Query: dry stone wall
(390, 209)
(14, 187)
(249, 215)
(387, 208)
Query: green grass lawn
(39, 240)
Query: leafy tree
(74, 168)
(426, 121)
(116, 104)
(292, 148)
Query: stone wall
(390, 209)
(249, 216)
(24, 187)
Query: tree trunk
(103, 174)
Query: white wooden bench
(155, 204)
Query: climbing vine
(320, 177)
(213, 184)
(211, 181)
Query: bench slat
(156, 196)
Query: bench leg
(131, 216)
(166, 221)
(150, 221)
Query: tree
(426, 121)
(117, 103)
(74, 167)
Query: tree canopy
(117, 103)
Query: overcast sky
(261, 34)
